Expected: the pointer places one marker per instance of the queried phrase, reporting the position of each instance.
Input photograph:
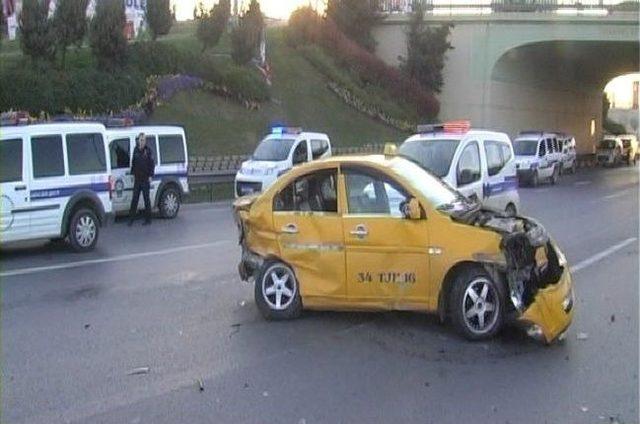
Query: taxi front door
(309, 233)
(386, 254)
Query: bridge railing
(488, 6)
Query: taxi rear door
(386, 254)
(309, 233)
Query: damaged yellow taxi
(381, 233)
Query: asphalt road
(167, 297)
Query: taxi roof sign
(390, 149)
(455, 127)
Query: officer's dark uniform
(142, 168)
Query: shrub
(156, 58)
(245, 38)
(69, 24)
(356, 19)
(36, 31)
(159, 17)
(246, 82)
(211, 25)
(45, 89)
(107, 39)
(304, 27)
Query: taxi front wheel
(476, 304)
(277, 292)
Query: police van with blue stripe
(478, 163)
(539, 157)
(54, 183)
(170, 184)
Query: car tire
(511, 210)
(276, 292)
(554, 176)
(169, 203)
(476, 304)
(84, 230)
(573, 168)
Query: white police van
(169, 185)
(478, 163)
(54, 183)
(538, 157)
(277, 153)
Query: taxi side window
(469, 165)
(368, 193)
(316, 192)
(300, 153)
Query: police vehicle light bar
(286, 130)
(455, 127)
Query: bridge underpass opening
(556, 85)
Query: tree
(107, 39)
(212, 24)
(304, 26)
(426, 50)
(36, 31)
(246, 37)
(356, 18)
(159, 17)
(69, 24)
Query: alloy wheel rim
(170, 204)
(279, 287)
(85, 231)
(480, 306)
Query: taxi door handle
(290, 229)
(360, 231)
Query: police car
(276, 154)
(478, 163)
(319, 238)
(54, 183)
(538, 157)
(169, 185)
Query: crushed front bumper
(551, 312)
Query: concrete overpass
(515, 71)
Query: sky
(272, 8)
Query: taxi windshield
(434, 155)
(429, 185)
(273, 149)
(525, 147)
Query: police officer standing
(142, 169)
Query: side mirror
(465, 177)
(411, 209)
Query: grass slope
(300, 97)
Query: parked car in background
(629, 148)
(54, 183)
(170, 184)
(568, 149)
(609, 151)
(478, 163)
(276, 154)
(538, 157)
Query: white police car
(538, 157)
(169, 185)
(277, 153)
(478, 163)
(54, 183)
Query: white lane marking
(581, 183)
(119, 258)
(600, 256)
(616, 194)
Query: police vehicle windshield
(434, 155)
(273, 149)
(525, 147)
(608, 144)
(432, 188)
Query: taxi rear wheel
(476, 304)
(277, 292)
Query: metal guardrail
(223, 169)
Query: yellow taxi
(379, 232)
